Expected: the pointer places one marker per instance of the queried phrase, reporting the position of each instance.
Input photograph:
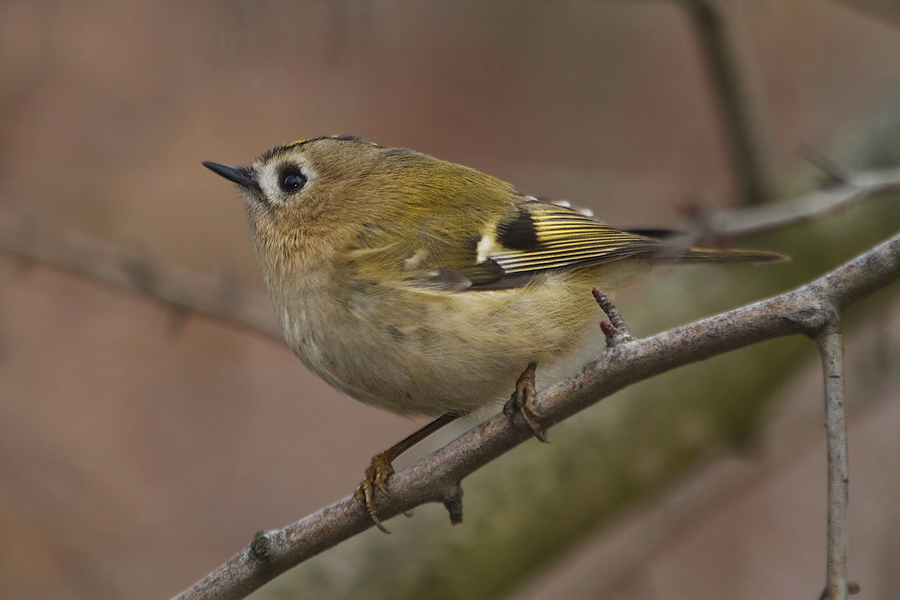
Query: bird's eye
(291, 180)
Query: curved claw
(520, 401)
(380, 468)
(376, 477)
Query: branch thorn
(615, 330)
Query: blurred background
(142, 444)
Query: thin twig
(717, 53)
(835, 174)
(616, 330)
(806, 310)
(832, 351)
(772, 217)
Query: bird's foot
(376, 477)
(521, 400)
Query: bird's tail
(711, 255)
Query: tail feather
(707, 255)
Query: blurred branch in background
(883, 9)
(185, 293)
(832, 200)
(740, 133)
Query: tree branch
(712, 36)
(832, 351)
(808, 310)
(772, 217)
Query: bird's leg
(521, 400)
(381, 467)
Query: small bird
(426, 287)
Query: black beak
(240, 176)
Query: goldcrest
(426, 287)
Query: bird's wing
(537, 237)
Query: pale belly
(431, 353)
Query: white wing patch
(485, 247)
